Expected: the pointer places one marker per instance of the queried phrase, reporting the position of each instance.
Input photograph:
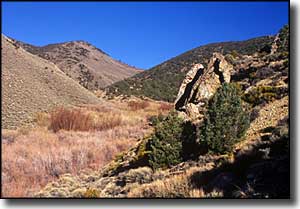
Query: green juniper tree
(226, 120)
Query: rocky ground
(257, 168)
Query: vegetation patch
(91, 193)
(138, 105)
(66, 119)
(162, 82)
(165, 145)
(226, 120)
(261, 94)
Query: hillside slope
(31, 84)
(175, 161)
(162, 81)
(89, 66)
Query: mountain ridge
(88, 65)
(162, 81)
(32, 84)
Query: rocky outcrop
(274, 46)
(200, 84)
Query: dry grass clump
(175, 187)
(166, 106)
(91, 193)
(83, 138)
(108, 120)
(42, 119)
(30, 161)
(138, 105)
(178, 186)
(9, 136)
(81, 120)
(67, 119)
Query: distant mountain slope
(31, 84)
(162, 81)
(86, 64)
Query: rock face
(200, 84)
(274, 44)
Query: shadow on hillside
(263, 172)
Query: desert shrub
(284, 55)
(155, 119)
(164, 147)
(42, 119)
(141, 175)
(266, 49)
(138, 105)
(263, 94)
(284, 36)
(244, 74)
(264, 72)
(66, 119)
(229, 58)
(254, 114)
(91, 193)
(226, 120)
(176, 187)
(234, 53)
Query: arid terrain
(34, 156)
(31, 84)
(210, 123)
(89, 66)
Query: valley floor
(33, 157)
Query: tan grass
(32, 160)
(32, 157)
(75, 119)
(177, 186)
(166, 106)
(108, 120)
(138, 105)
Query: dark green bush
(164, 147)
(229, 58)
(283, 42)
(263, 94)
(156, 119)
(234, 53)
(226, 120)
(266, 49)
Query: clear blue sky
(141, 34)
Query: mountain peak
(88, 65)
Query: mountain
(238, 104)
(31, 84)
(162, 81)
(81, 61)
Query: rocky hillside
(228, 138)
(86, 64)
(31, 84)
(162, 81)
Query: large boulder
(200, 84)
